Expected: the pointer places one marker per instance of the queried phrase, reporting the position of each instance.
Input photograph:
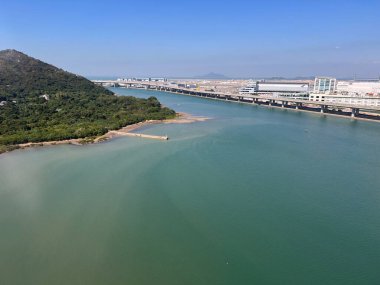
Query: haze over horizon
(246, 39)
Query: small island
(42, 103)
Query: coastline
(180, 118)
(373, 117)
(368, 116)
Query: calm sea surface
(252, 196)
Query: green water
(253, 196)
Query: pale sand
(181, 118)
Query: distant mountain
(289, 78)
(211, 75)
(40, 102)
(304, 78)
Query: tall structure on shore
(324, 85)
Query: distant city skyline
(171, 39)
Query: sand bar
(181, 118)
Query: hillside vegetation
(39, 102)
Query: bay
(252, 196)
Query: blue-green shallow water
(253, 196)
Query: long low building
(294, 90)
(275, 87)
(282, 87)
(346, 99)
(359, 87)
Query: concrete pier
(163, 138)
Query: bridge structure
(355, 111)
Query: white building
(282, 87)
(324, 85)
(158, 79)
(346, 99)
(328, 90)
(277, 89)
(249, 89)
(144, 79)
(359, 87)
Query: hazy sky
(186, 38)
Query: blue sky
(186, 38)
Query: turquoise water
(252, 196)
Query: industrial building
(185, 85)
(143, 79)
(353, 100)
(359, 87)
(278, 89)
(360, 93)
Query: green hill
(39, 102)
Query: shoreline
(376, 117)
(180, 118)
(372, 117)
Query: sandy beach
(181, 118)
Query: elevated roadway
(284, 102)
